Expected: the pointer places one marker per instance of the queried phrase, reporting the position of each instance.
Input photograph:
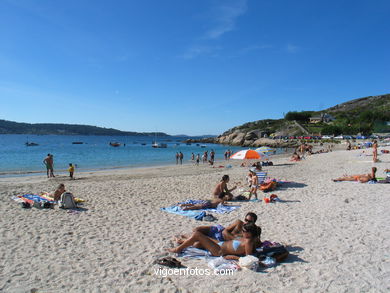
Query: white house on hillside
(324, 117)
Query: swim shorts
(216, 232)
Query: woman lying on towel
(362, 178)
(231, 249)
(295, 157)
(205, 204)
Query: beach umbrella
(264, 150)
(246, 154)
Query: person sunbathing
(230, 249)
(362, 178)
(295, 157)
(205, 204)
(220, 233)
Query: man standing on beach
(49, 161)
(181, 156)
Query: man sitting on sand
(362, 178)
(230, 249)
(222, 187)
(205, 204)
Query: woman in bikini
(231, 249)
(362, 178)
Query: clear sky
(187, 66)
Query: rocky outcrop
(246, 139)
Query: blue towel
(177, 210)
(199, 214)
(36, 198)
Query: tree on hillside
(303, 116)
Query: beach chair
(261, 176)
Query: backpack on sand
(67, 201)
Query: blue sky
(187, 67)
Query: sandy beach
(337, 234)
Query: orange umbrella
(246, 154)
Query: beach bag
(67, 201)
(279, 253)
(249, 262)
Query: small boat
(188, 143)
(143, 143)
(203, 146)
(115, 144)
(159, 145)
(77, 142)
(31, 144)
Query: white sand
(338, 233)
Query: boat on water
(77, 142)
(31, 144)
(114, 144)
(159, 145)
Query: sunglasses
(248, 221)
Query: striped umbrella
(246, 154)
(264, 150)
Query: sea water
(95, 152)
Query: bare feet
(174, 250)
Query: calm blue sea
(95, 152)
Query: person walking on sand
(375, 151)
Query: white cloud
(225, 18)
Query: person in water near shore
(362, 178)
(222, 187)
(206, 204)
(57, 193)
(230, 249)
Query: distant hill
(10, 127)
(364, 115)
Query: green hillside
(364, 115)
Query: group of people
(48, 161)
(179, 158)
(238, 239)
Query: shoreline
(337, 233)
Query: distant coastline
(11, 127)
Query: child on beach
(71, 170)
(254, 184)
(57, 193)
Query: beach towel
(32, 198)
(198, 214)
